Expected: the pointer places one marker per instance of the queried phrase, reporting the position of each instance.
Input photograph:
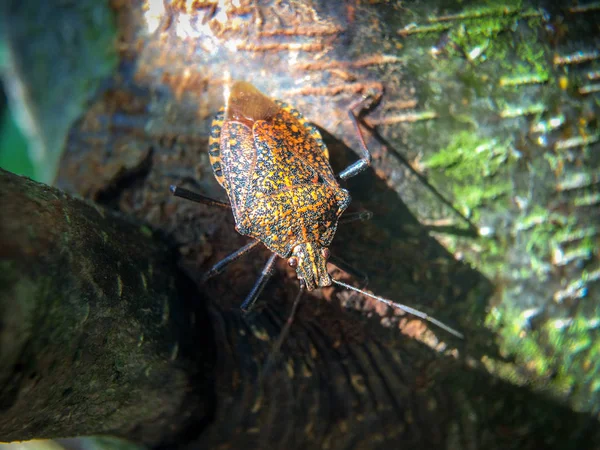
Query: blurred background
(13, 144)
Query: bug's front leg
(225, 262)
(195, 197)
(260, 284)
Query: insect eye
(326, 253)
(293, 262)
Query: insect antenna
(408, 309)
(356, 216)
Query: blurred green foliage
(13, 147)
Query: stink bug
(283, 193)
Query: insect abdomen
(214, 146)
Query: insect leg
(360, 165)
(198, 198)
(222, 265)
(260, 284)
(353, 217)
(284, 331)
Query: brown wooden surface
(99, 336)
(99, 332)
(359, 377)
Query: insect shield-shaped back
(275, 169)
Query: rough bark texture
(98, 332)
(495, 106)
(99, 335)
(486, 157)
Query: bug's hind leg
(260, 284)
(360, 165)
(195, 197)
(284, 333)
(222, 265)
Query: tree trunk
(484, 199)
(101, 335)
(99, 332)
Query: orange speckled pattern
(275, 169)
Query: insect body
(275, 169)
(282, 190)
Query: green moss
(523, 60)
(545, 232)
(492, 75)
(487, 37)
(473, 165)
(146, 231)
(479, 28)
(562, 356)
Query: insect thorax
(304, 214)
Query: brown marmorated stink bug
(283, 193)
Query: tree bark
(484, 196)
(99, 333)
